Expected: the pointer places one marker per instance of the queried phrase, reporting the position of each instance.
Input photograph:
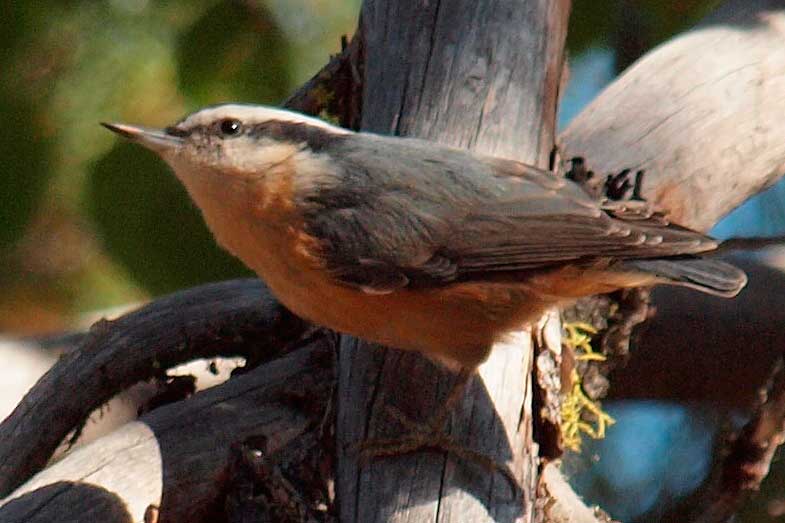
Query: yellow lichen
(576, 404)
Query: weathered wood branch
(702, 115)
(177, 458)
(749, 456)
(336, 90)
(226, 319)
(482, 75)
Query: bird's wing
(411, 213)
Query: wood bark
(176, 457)
(482, 75)
(231, 318)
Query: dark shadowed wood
(177, 457)
(724, 350)
(233, 318)
(703, 115)
(335, 89)
(482, 75)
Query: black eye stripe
(227, 128)
(176, 131)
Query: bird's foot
(433, 437)
(578, 171)
(617, 187)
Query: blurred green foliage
(23, 143)
(147, 222)
(22, 182)
(612, 23)
(236, 50)
(88, 222)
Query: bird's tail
(706, 275)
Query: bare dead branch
(747, 464)
(482, 75)
(644, 122)
(179, 458)
(233, 318)
(557, 503)
(336, 90)
(745, 460)
(669, 114)
(751, 244)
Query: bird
(409, 243)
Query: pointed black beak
(156, 140)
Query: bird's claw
(429, 437)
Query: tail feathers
(709, 276)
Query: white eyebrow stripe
(255, 114)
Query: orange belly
(456, 324)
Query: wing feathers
(710, 276)
(407, 212)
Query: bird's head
(242, 164)
(232, 140)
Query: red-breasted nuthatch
(409, 243)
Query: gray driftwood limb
(702, 114)
(226, 319)
(482, 75)
(177, 457)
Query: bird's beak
(156, 140)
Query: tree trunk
(483, 75)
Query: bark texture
(482, 75)
(177, 457)
(701, 114)
(231, 318)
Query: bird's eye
(230, 127)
